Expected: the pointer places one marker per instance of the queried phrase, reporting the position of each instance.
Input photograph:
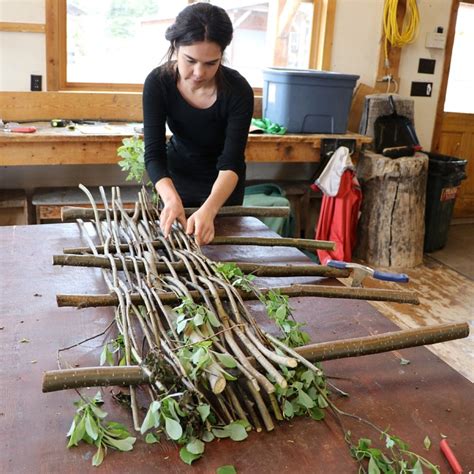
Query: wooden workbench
(424, 398)
(60, 146)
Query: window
(114, 44)
(459, 92)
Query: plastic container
(306, 100)
(445, 174)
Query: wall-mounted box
(435, 40)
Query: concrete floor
(459, 251)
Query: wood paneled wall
(113, 106)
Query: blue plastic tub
(306, 100)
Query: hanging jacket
(340, 212)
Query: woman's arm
(201, 223)
(156, 160)
(154, 126)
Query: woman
(208, 108)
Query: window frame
(56, 51)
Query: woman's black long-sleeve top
(204, 141)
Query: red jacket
(338, 219)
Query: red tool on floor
(453, 462)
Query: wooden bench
(13, 207)
(48, 202)
(304, 203)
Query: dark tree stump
(392, 223)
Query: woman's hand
(201, 224)
(173, 209)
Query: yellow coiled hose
(392, 32)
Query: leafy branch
(89, 426)
(132, 153)
(397, 460)
(189, 427)
(276, 304)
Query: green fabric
(271, 195)
(268, 126)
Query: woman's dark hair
(199, 22)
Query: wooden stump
(392, 223)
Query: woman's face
(198, 63)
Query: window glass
(272, 33)
(460, 92)
(120, 41)
(117, 41)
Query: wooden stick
(384, 342)
(305, 244)
(133, 375)
(70, 213)
(253, 268)
(93, 377)
(323, 291)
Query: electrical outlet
(36, 82)
(421, 89)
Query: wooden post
(392, 224)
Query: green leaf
(181, 325)
(281, 312)
(227, 376)
(118, 430)
(196, 446)
(79, 432)
(373, 468)
(297, 385)
(226, 360)
(404, 361)
(188, 457)
(204, 410)
(427, 442)
(322, 402)
(91, 427)
(198, 320)
(207, 436)
(364, 443)
(198, 356)
(288, 409)
(307, 377)
(98, 412)
(236, 431)
(73, 426)
(150, 438)
(173, 428)
(98, 456)
(305, 400)
(103, 354)
(211, 317)
(120, 444)
(417, 468)
(316, 413)
(221, 433)
(152, 420)
(227, 469)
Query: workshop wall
(357, 33)
(21, 54)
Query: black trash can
(445, 174)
